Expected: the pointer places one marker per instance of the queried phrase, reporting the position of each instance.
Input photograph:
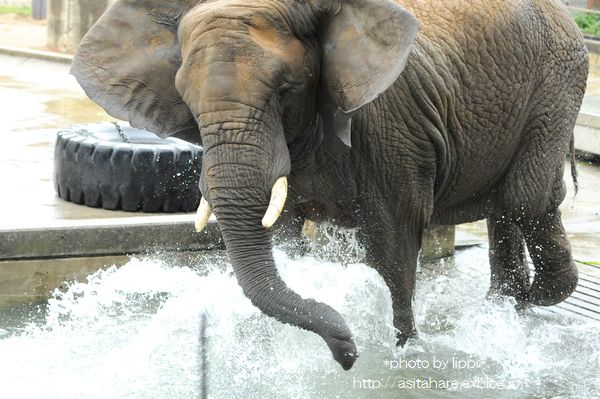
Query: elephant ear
(127, 64)
(365, 48)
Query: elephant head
(256, 78)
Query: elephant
(390, 116)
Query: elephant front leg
(402, 298)
(393, 251)
(509, 271)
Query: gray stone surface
(108, 237)
(438, 242)
(587, 133)
(37, 54)
(33, 281)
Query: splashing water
(336, 244)
(132, 332)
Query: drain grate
(585, 301)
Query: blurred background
(59, 25)
(56, 25)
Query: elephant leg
(393, 251)
(533, 189)
(509, 271)
(555, 271)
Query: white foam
(133, 332)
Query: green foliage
(588, 22)
(20, 10)
(590, 263)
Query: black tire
(115, 166)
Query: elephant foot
(403, 338)
(509, 285)
(549, 288)
(555, 272)
(343, 350)
(521, 304)
(515, 290)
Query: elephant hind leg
(542, 229)
(533, 188)
(555, 271)
(509, 271)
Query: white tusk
(278, 197)
(202, 215)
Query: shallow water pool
(132, 332)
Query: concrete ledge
(587, 133)
(589, 119)
(438, 242)
(37, 54)
(32, 281)
(592, 45)
(145, 234)
(108, 237)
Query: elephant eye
(284, 89)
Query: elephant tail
(574, 164)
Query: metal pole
(203, 350)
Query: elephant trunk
(234, 179)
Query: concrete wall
(587, 133)
(69, 21)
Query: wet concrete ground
(22, 31)
(39, 97)
(36, 99)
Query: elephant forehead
(276, 43)
(245, 82)
(234, 27)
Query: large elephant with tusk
(387, 115)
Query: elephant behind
(390, 116)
